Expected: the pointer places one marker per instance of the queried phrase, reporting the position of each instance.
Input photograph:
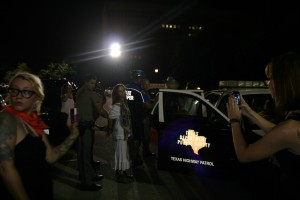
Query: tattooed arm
(55, 153)
(8, 171)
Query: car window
(178, 106)
(181, 104)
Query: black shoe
(129, 174)
(96, 164)
(98, 177)
(93, 187)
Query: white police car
(194, 135)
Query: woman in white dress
(119, 122)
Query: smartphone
(237, 96)
(73, 115)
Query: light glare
(115, 50)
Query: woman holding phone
(283, 139)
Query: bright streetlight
(156, 74)
(115, 50)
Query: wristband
(234, 120)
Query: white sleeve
(114, 113)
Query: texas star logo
(194, 140)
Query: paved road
(149, 183)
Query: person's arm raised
(256, 118)
(55, 153)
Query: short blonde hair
(37, 85)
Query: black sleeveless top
(33, 168)
(290, 170)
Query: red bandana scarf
(35, 121)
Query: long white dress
(65, 107)
(120, 157)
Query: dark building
(192, 40)
(203, 42)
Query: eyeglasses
(25, 93)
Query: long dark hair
(285, 72)
(115, 95)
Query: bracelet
(234, 120)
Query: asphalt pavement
(149, 183)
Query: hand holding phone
(237, 97)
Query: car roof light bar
(242, 84)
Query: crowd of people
(26, 154)
(24, 133)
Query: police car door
(193, 135)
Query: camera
(73, 115)
(237, 97)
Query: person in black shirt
(136, 105)
(26, 153)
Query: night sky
(236, 43)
